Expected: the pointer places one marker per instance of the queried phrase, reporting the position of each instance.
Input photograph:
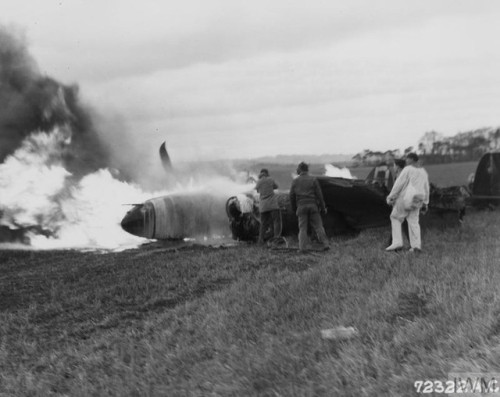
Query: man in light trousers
(409, 194)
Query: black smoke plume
(31, 102)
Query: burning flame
(90, 215)
(38, 194)
(59, 211)
(56, 187)
(30, 181)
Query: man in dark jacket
(268, 205)
(307, 202)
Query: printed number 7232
(436, 386)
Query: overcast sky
(236, 79)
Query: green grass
(245, 321)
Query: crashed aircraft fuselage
(352, 205)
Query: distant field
(245, 321)
(451, 174)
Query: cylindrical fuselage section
(179, 216)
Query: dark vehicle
(486, 185)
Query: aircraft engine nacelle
(177, 216)
(244, 216)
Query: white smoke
(246, 203)
(331, 170)
(38, 194)
(216, 185)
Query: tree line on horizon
(434, 148)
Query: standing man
(383, 174)
(399, 164)
(307, 202)
(409, 194)
(390, 176)
(268, 206)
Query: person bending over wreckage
(409, 194)
(268, 206)
(307, 202)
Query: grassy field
(244, 321)
(451, 174)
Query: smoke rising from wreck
(64, 169)
(331, 170)
(43, 205)
(59, 185)
(31, 102)
(48, 144)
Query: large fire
(62, 184)
(55, 189)
(51, 208)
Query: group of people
(406, 181)
(307, 202)
(386, 173)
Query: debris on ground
(339, 333)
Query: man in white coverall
(409, 193)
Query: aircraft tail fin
(165, 158)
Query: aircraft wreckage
(353, 205)
(485, 183)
